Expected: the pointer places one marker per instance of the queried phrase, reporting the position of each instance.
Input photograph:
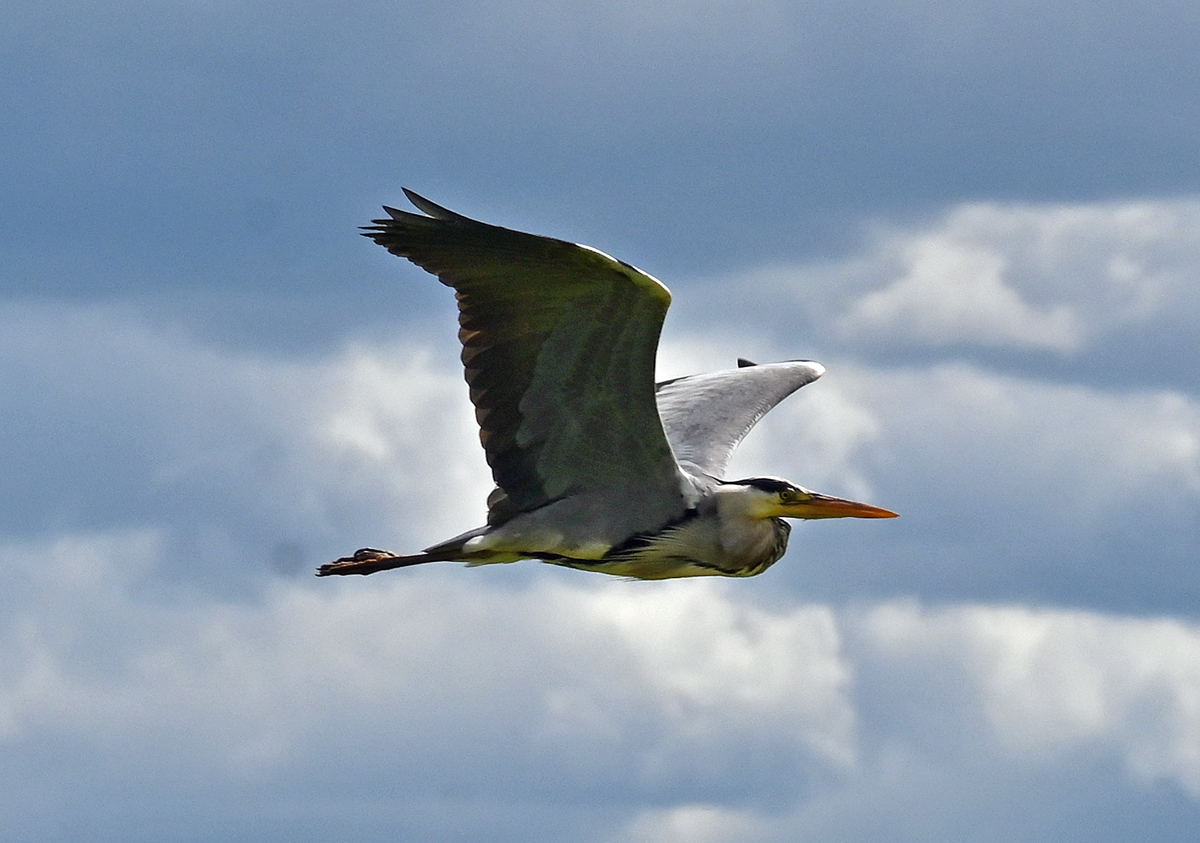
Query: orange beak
(827, 506)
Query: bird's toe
(364, 561)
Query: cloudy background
(984, 219)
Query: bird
(596, 466)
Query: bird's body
(596, 466)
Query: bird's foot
(365, 560)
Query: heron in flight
(596, 466)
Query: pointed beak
(827, 506)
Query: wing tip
(815, 369)
(430, 209)
(381, 228)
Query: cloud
(955, 294)
(689, 707)
(214, 153)
(1082, 281)
(415, 683)
(1048, 683)
(248, 461)
(230, 452)
(967, 711)
(1009, 488)
(1013, 659)
(1021, 635)
(702, 823)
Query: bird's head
(770, 497)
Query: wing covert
(558, 345)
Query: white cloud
(978, 458)
(689, 702)
(238, 458)
(956, 293)
(1051, 682)
(974, 709)
(1083, 445)
(143, 424)
(665, 683)
(1062, 278)
(695, 823)
(711, 711)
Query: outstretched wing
(559, 343)
(706, 416)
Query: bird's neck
(754, 543)
(746, 538)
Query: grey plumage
(595, 465)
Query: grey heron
(596, 466)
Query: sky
(982, 218)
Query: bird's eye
(787, 496)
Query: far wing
(706, 416)
(559, 344)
